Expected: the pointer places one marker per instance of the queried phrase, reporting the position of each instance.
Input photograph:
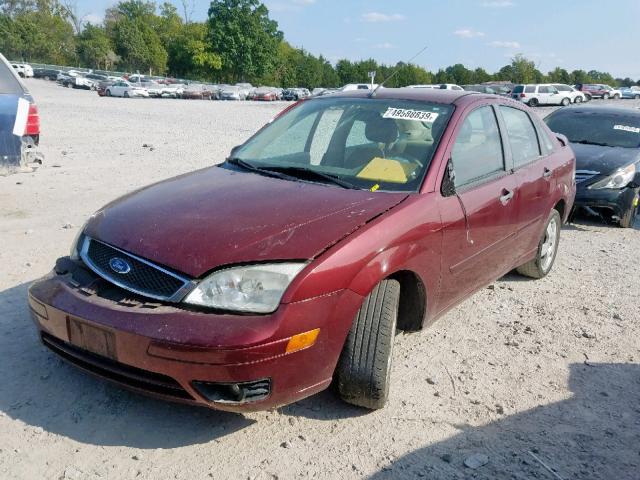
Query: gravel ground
(523, 377)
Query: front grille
(127, 375)
(142, 276)
(585, 175)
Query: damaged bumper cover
(220, 360)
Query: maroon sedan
(258, 282)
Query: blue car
(630, 92)
(19, 122)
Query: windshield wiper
(589, 142)
(302, 172)
(262, 171)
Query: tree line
(237, 42)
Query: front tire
(636, 97)
(629, 217)
(588, 97)
(541, 265)
(364, 368)
(616, 97)
(605, 96)
(126, 94)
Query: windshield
(374, 144)
(615, 130)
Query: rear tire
(616, 97)
(578, 99)
(588, 97)
(126, 94)
(565, 102)
(534, 102)
(108, 93)
(636, 97)
(364, 369)
(541, 265)
(605, 96)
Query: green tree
(524, 70)
(559, 75)
(480, 75)
(94, 47)
(460, 74)
(245, 38)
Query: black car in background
(46, 73)
(19, 121)
(606, 141)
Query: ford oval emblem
(119, 265)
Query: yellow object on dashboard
(387, 170)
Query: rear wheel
(534, 102)
(126, 94)
(578, 99)
(605, 96)
(588, 97)
(541, 265)
(616, 97)
(565, 102)
(108, 93)
(364, 369)
(46, 77)
(636, 97)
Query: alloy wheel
(548, 249)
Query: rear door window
(9, 84)
(530, 89)
(522, 135)
(477, 152)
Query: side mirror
(564, 141)
(448, 188)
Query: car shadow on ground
(594, 434)
(43, 391)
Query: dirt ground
(526, 375)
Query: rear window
(9, 84)
(608, 129)
(518, 89)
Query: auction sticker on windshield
(404, 114)
(626, 128)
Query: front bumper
(164, 350)
(616, 201)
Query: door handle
(506, 197)
(547, 173)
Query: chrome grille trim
(180, 293)
(584, 175)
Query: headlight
(620, 179)
(74, 254)
(253, 288)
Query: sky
(586, 34)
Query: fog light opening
(234, 393)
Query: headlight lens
(253, 288)
(620, 179)
(74, 254)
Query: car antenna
(375, 90)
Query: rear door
(532, 153)
(479, 222)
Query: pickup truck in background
(19, 122)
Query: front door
(479, 222)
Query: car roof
(419, 94)
(605, 109)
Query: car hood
(213, 217)
(605, 160)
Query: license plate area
(93, 339)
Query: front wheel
(364, 369)
(541, 265)
(126, 94)
(578, 99)
(605, 96)
(636, 97)
(629, 217)
(588, 97)
(616, 97)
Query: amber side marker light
(302, 340)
